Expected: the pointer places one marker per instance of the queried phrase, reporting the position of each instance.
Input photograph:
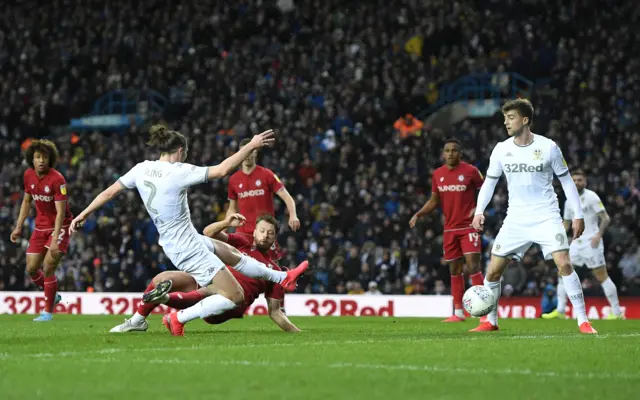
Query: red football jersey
(45, 191)
(254, 194)
(457, 189)
(253, 287)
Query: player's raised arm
(560, 168)
(279, 317)
(125, 182)
(216, 230)
(486, 191)
(264, 139)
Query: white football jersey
(529, 172)
(163, 188)
(591, 206)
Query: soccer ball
(478, 301)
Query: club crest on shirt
(33, 186)
(461, 178)
(258, 183)
(240, 186)
(441, 178)
(46, 189)
(537, 154)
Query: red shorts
(225, 316)
(457, 243)
(41, 240)
(275, 253)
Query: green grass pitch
(334, 358)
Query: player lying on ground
(454, 186)
(251, 191)
(182, 281)
(529, 161)
(588, 249)
(179, 290)
(162, 185)
(50, 239)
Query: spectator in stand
(326, 66)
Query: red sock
(50, 289)
(457, 291)
(180, 300)
(38, 278)
(145, 309)
(477, 279)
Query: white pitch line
(430, 339)
(387, 367)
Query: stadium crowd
(330, 77)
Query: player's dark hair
(522, 106)
(579, 172)
(165, 140)
(269, 219)
(453, 140)
(45, 147)
(245, 142)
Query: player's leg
(457, 290)
(34, 268)
(180, 281)
(573, 288)
(610, 290)
(51, 296)
(35, 257)
(496, 268)
(225, 293)
(561, 293)
(252, 268)
(552, 238)
(511, 242)
(472, 250)
(453, 255)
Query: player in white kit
(588, 250)
(528, 162)
(162, 185)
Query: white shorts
(582, 254)
(201, 262)
(516, 236)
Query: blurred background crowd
(335, 79)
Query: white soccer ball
(478, 301)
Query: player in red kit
(179, 290)
(251, 192)
(50, 239)
(453, 187)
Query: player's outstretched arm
(294, 222)
(265, 139)
(427, 208)
(24, 211)
(100, 200)
(279, 317)
(216, 230)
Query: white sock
(137, 319)
(574, 292)
(562, 297)
(212, 305)
(255, 269)
(611, 292)
(495, 288)
(459, 313)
